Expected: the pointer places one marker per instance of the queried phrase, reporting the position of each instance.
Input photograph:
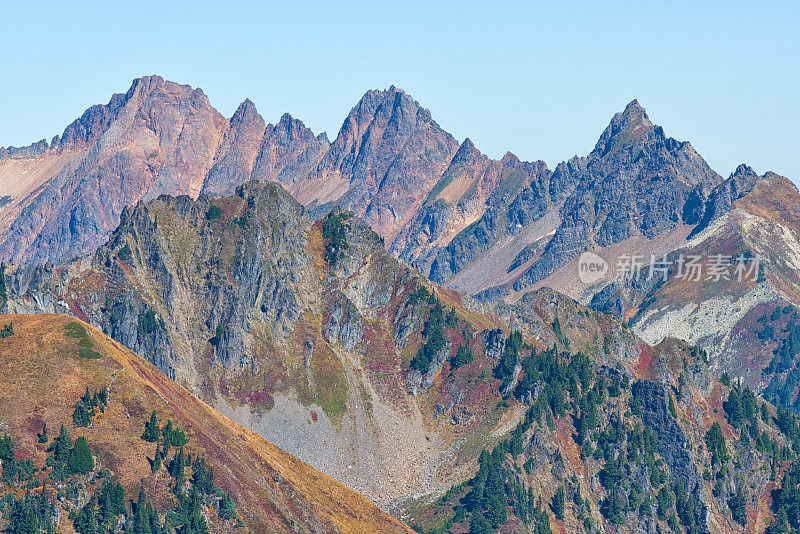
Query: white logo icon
(591, 268)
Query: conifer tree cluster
(8, 330)
(88, 405)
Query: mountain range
(388, 305)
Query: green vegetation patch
(330, 382)
(334, 231)
(214, 212)
(76, 331)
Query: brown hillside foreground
(42, 376)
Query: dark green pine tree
(153, 521)
(176, 469)
(6, 448)
(112, 502)
(738, 506)
(155, 465)
(85, 521)
(203, 476)
(80, 458)
(715, 441)
(480, 525)
(227, 510)
(141, 521)
(557, 503)
(167, 433)
(23, 519)
(151, 430)
(81, 415)
(43, 436)
(61, 446)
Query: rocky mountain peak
(246, 112)
(744, 170)
(625, 129)
(510, 159)
(467, 152)
(289, 126)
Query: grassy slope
(41, 378)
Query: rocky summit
(282, 316)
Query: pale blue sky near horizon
(541, 80)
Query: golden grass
(42, 377)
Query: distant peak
(634, 110)
(510, 159)
(145, 83)
(634, 104)
(467, 151)
(625, 128)
(246, 108)
(744, 170)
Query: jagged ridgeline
(538, 415)
(308, 332)
(107, 443)
(304, 329)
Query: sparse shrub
(214, 212)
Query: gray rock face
(289, 152)
(522, 197)
(672, 443)
(418, 382)
(494, 342)
(721, 199)
(344, 325)
(236, 154)
(636, 181)
(392, 153)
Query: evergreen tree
(85, 521)
(557, 504)
(227, 510)
(155, 465)
(43, 436)
(23, 519)
(151, 430)
(176, 469)
(733, 409)
(6, 448)
(781, 522)
(715, 440)
(738, 506)
(112, 502)
(480, 525)
(61, 446)
(81, 415)
(765, 413)
(154, 523)
(141, 521)
(203, 476)
(80, 458)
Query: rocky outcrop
(288, 153)
(673, 444)
(237, 153)
(240, 299)
(636, 181)
(389, 154)
(521, 196)
(494, 342)
(721, 199)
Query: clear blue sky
(540, 80)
